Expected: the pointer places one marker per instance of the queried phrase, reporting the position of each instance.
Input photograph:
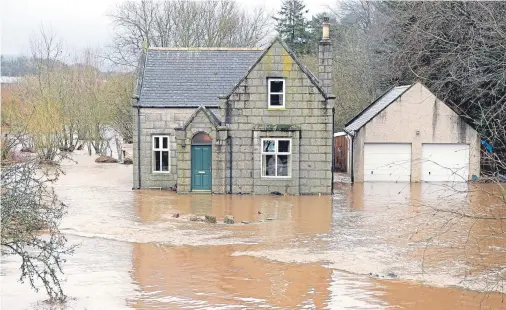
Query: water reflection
(186, 276)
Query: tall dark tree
(315, 32)
(292, 26)
(456, 49)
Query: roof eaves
(195, 106)
(217, 121)
(206, 48)
(140, 76)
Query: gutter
(175, 106)
(352, 174)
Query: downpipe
(139, 147)
(230, 164)
(352, 174)
(333, 159)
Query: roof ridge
(206, 48)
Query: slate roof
(375, 108)
(192, 77)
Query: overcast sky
(80, 23)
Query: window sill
(276, 109)
(275, 178)
(160, 172)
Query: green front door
(201, 168)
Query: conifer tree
(292, 26)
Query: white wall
(416, 117)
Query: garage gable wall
(417, 117)
(418, 109)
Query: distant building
(409, 135)
(7, 83)
(9, 80)
(231, 120)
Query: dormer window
(276, 91)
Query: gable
(279, 61)
(417, 93)
(211, 117)
(418, 110)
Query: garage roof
(375, 108)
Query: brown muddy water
(370, 246)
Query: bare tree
(44, 96)
(13, 131)
(183, 24)
(456, 49)
(31, 214)
(120, 91)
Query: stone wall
(156, 121)
(307, 118)
(201, 123)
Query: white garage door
(387, 162)
(445, 162)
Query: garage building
(409, 135)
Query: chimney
(325, 58)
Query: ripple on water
(318, 252)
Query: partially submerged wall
(416, 117)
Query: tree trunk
(118, 148)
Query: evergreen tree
(292, 26)
(315, 31)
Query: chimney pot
(325, 28)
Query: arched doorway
(201, 162)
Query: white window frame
(160, 149)
(269, 93)
(275, 153)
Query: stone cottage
(234, 120)
(409, 135)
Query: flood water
(369, 246)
